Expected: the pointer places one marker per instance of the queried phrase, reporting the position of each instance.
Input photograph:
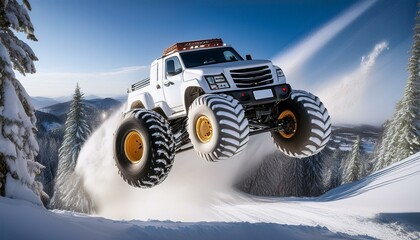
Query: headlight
(279, 73)
(217, 82)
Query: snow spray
(192, 187)
(340, 92)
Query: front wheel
(144, 148)
(306, 125)
(217, 126)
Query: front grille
(252, 77)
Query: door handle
(168, 83)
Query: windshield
(209, 56)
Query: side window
(173, 66)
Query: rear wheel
(144, 148)
(217, 126)
(306, 125)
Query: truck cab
(189, 69)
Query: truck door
(172, 83)
(155, 76)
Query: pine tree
(69, 193)
(293, 178)
(335, 171)
(313, 176)
(261, 182)
(402, 135)
(49, 143)
(381, 148)
(353, 166)
(18, 146)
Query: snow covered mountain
(98, 110)
(47, 122)
(60, 110)
(344, 136)
(40, 102)
(383, 205)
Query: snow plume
(296, 56)
(369, 61)
(189, 193)
(346, 95)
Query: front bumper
(249, 97)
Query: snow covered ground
(384, 205)
(198, 201)
(26, 221)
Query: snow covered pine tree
(18, 146)
(313, 173)
(69, 192)
(402, 135)
(353, 167)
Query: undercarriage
(261, 118)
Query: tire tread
(320, 125)
(163, 149)
(233, 124)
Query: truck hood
(215, 69)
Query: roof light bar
(192, 45)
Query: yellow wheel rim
(291, 130)
(133, 147)
(203, 129)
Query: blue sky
(106, 45)
(97, 35)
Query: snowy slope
(383, 205)
(25, 221)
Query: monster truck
(204, 94)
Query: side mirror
(248, 57)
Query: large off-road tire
(308, 125)
(144, 148)
(217, 126)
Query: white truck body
(166, 92)
(203, 94)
